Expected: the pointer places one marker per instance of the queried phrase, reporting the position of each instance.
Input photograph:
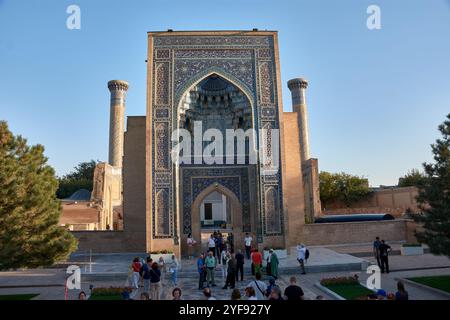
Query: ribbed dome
(214, 83)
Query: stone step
(247, 273)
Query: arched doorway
(218, 103)
(235, 208)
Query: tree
(29, 211)
(81, 178)
(413, 178)
(434, 197)
(342, 187)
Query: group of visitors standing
(232, 264)
(218, 244)
(258, 289)
(151, 274)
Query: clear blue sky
(375, 97)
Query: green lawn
(350, 291)
(437, 282)
(27, 296)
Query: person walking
(173, 269)
(293, 291)
(211, 264)
(401, 293)
(384, 256)
(301, 256)
(376, 250)
(256, 257)
(201, 268)
(135, 276)
(240, 261)
(155, 282)
(231, 273)
(248, 245)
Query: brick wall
(100, 241)
(357, 232)
(392, 200)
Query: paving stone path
(49, 283)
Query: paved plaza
(111, 270)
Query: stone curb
(424, 287)
(328, 291)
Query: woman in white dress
(191, 243)
(162, 267)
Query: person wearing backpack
(259, 287)
(302, 256)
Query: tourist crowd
(146, 277)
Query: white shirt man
(301, 257)
(260, 289)
(248, 241)
(248, 245)
(211, 243)
(301, 252)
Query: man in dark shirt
(293, 291)
(240, 265)
(384, 256)
(376, 250)
(230, 242)
(231, 273)
(145, 274)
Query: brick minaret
(118, 89)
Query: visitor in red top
(136, 268)
(136, 265)
(256, 260)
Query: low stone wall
(100, 241)
(396, 212)
(357, 232)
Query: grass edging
(17, 297)
(328, 291)
(425, 287)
